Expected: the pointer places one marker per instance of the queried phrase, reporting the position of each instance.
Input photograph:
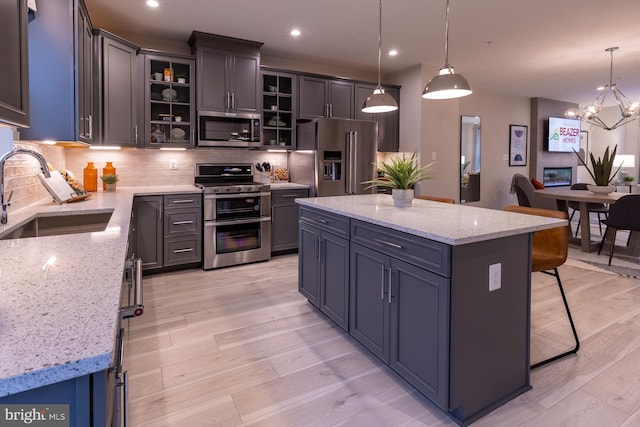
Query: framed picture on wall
(518, 145)
(584, 146)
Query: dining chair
(548, 252)
(599, 208)
(525, 192)
(437, 199)
(624, 214)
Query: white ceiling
(546, 48)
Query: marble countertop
(60, 295)
(442, 222)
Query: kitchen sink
(59, 225)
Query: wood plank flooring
(240, 346)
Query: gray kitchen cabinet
(279, 109)
(424, 308)
(117, 90)
(14, 84)
(324, 269)
(56, 85)
(395, 313)
(388, 123)
(322, 97)
(284, 219)
(168, 229)
(86, 106)
(227, 72)
(147, 211)
(169, 118)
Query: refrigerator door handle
(352, 146)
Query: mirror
(469, 159)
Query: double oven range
(236, 214)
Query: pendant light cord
(379, 43)
(446, 37)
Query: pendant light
(379, 101)
(447, 84)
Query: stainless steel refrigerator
(334, 156)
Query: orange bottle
(90, 177)
(107, 170)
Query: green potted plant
(110, 180)
(628, 179)
(601, 171)
(401, 174)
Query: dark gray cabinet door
(245, 75)
(212, 80)
(85, 78)
(148, 230)
(309, 261)
(227, 81)
(119, 86)
(334, 277)
(14, 84)
(369, 307)
(284, 228)
(313, 97)
(341, 98)
(419, 329)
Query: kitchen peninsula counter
(439, 292)
(60, 295)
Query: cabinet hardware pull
(384, 242)
(175, 202)
(389, 285)
(90, 127)
(289, 196)
(323, 221)
(125, 389)
(182, 222)
(179, 251)
(382, 284)
(135, 131)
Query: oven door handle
(237, 195)
(237, 221)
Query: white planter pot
(402, 198)
(601, 189)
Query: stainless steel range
(237, 215)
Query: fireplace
(557, 177)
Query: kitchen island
(439, 292)
(60, 295)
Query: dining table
(563, 195)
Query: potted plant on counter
(601, 171)
(110, 180)
(401, 174)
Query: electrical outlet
(505, 157)
(433, 155)
(173, 164)
(495, 277)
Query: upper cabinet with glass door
(278, 115)
(169, 119)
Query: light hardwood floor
(241, 346)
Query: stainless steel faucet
(3, 160)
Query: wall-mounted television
(563, 135)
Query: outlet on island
(173, 164)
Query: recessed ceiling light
(152, 3)
(295, 32)
(393, 52)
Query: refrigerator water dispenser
(332, 166)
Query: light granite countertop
(441, 222)
(60, 295)
(287, 186)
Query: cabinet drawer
(336, 224)
(425, 253)
(188, 200)
(287, 197)
(182, 250)
(182, 221)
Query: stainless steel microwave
(216, 129)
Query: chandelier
(590, 114)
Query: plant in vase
(401, 174)
(110, 180)
(601, 171)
